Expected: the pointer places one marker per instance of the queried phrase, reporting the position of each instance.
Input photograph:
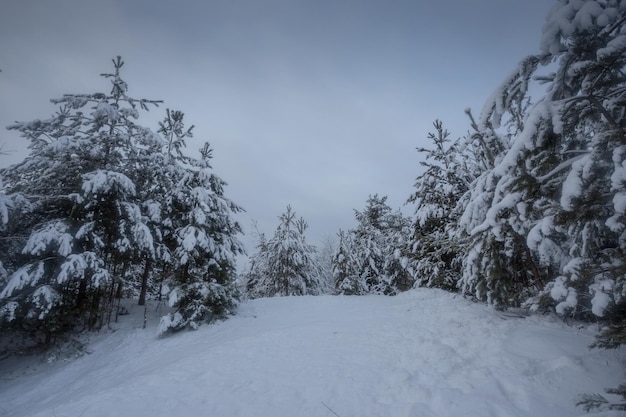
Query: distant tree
(371, 258)
(255, 277)
(290, 264)
(346, 269)
(397, 265)
(324, 262)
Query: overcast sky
(313, 103)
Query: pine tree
(324, 261)
(258, 270)
(497, 212)
(5, 204)
(589, 113)
(204, 246)
(397, 265)
(104, 207)
(77, 205)
(545, 216)
(290, 267)
(346, 269)
(436, 251)
(371, 258)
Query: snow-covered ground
(422, 353)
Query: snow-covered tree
(5, 204)
(346, 269)
(77, 208)
(588, 108)
(372, 258)
(204, 246)
(397, 265)
(436, 251)
(546, 216)
(100, 205)
(289, 261)
(497, 212)
(257, 269)
(324, 261)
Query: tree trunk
(144, 282)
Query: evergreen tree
(368, 244)
(346, 269)
(258, 269)
(5, 204)
(102, 205)
(324, 262)
(589, 118)
(289, 261)
(78, 209)
(545, 217)
(436, 251)
(397, 265)
(372, 258)
(497, 213)
(204, 247)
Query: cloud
(316, 104)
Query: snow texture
(570, 16)
(421, 353)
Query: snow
(573, 184)
(568, 17)
(54, 232)
(5, 203)
(104, 182)
(421, 353)
(601, 299)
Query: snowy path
(418, 354)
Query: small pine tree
(286, 264)
(204, 245)
(346, 269)
(371, 257)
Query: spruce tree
(203, 245)
(5, 204)
(545, 218)
(372, 257)
(289, 262)
(104, 207)
(346, 270)
(436, 251)
(77, 208)
(257, 270)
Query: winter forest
(526, 212)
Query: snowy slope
(422, 353)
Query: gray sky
(313, 103)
